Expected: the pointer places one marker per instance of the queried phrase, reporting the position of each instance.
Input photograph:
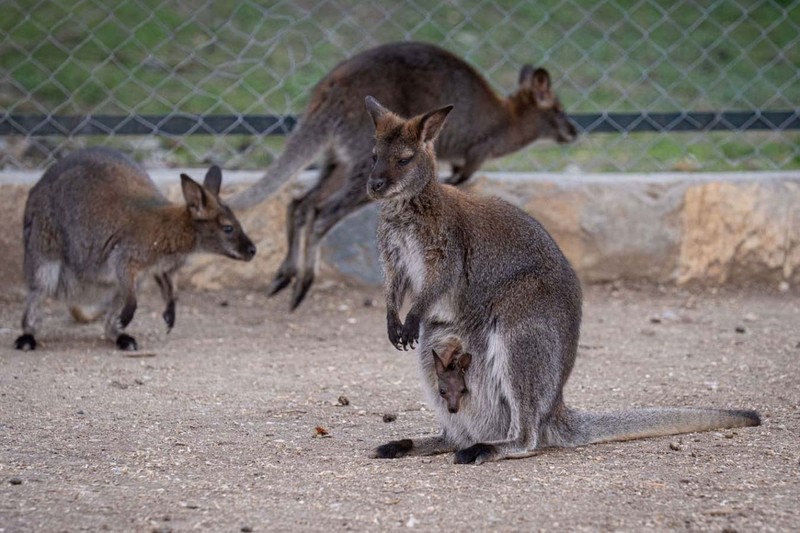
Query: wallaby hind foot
(25, 342)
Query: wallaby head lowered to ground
(410, 78)
(482, 271)
(95, 223)
(451, 369)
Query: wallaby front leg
(397, 288)
(462, 173)
(422, 446)
(27, 341)
(167, 287)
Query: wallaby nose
(376, 185)
(251, 250)
(453, 409)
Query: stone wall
(665, 228)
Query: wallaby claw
(280, 282)
(25, 342)
(127, 343)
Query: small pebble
(783, 286)
(675, 446)
(224, 303)
(740, 329)
(750, 317)
(369, 302)
(389, 418)
(343, 400)
(246, 529)
(15, 481)
(648, 332)
(80, 412)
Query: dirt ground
(215, 426)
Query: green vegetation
(251, 57)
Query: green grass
(157, 57)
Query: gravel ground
(233, 422)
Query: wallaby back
(95, 222)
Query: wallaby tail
(581, 427)
(302, 147)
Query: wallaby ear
(194, 195)
(213, 180)
(464, 361)
(432, 122)
(538, 81)
(440, 366)
(376, 110)
(526, 76)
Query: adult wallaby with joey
(482, 271)
(411, 78)
(95, 223)
(451, 368)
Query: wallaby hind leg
(334, 208)
(297, 215)
(120, 314)
(43, 280)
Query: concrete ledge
(709, 228)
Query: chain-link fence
(655, 84)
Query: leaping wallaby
(482, 271)
(95, 223)
(411, 78)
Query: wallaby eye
(442, 392)
(464, 391)
(374, 158)
(406, 160)
(227, 228)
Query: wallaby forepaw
(477, 454)
(410, 332)
(127, 343)
(393, 449)
(169, 316)
(25, 342)
(456, 179)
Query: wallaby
(95, 223)
(451, 368)
(485, 272)
(411, 78)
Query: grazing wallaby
(411, 78)
(482, 271)
(95, 223)
(451, 368)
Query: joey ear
(375, 109)
(541, 88)
(213, 180)
(440, 366)
(464, 361)
(432, 123)
(194, 195)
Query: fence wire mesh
(148, 61)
